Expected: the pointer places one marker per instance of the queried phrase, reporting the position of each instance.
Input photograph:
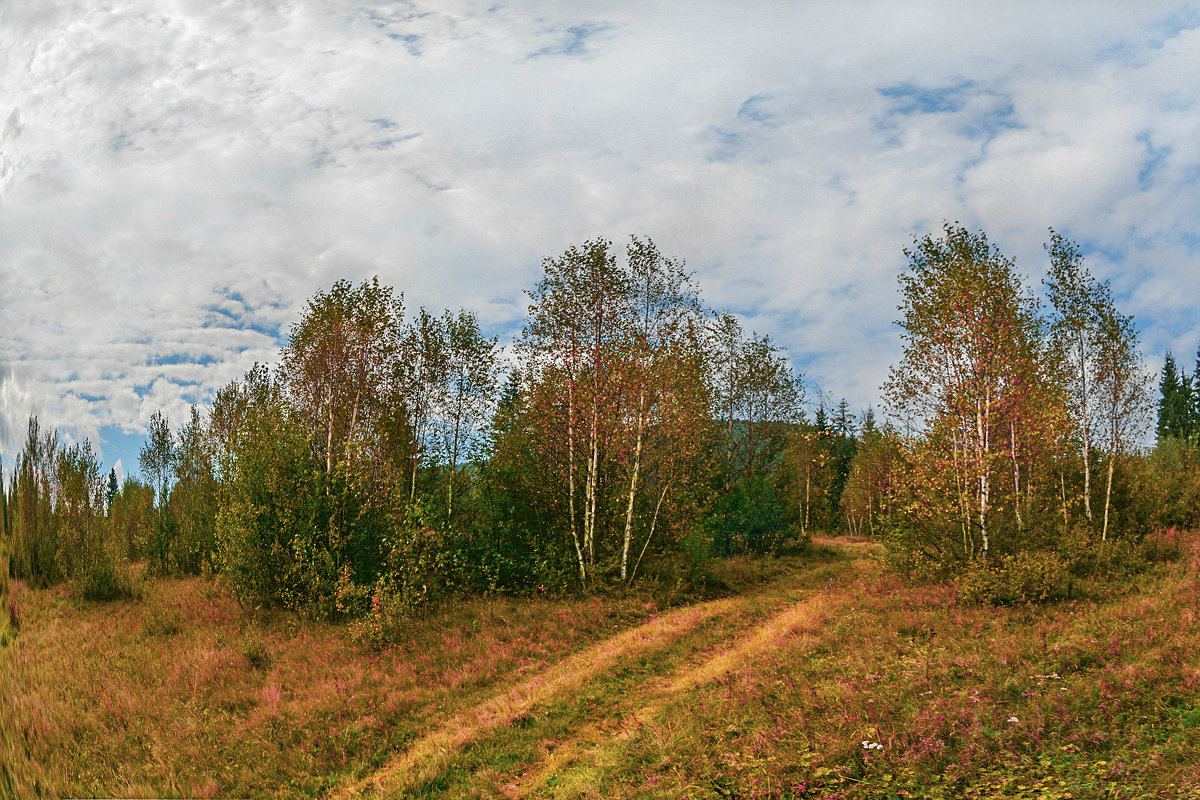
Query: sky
(177, 177)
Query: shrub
(918, 566)
(1164, 545)
(1090, 557)
(746, 519)
(10, 616)
(1029, 577)
(107, 579)
(372, 630)
(255, 649)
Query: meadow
(820, 675)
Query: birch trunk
(1012, 434)
(571, 480)
(633, 483)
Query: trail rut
(428, 755)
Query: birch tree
(337, 364)
(471, 377)
(1076, 299)
(969, 332)
(756, 396)
(419, 375)
(1122, 389)
(614, 362)
(579, 316)
(666, 315)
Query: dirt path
(432, 750)
(801, 619)
(427, 756)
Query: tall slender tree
(420, 375)
(1076, 298)
(471, 374)
(665, 318)
(757, 397)
(336, 367)
(579, 321)
(157, 462)
(1122, 390)
(969, 333)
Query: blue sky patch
(1151, 166)
(179, 358)
(117, 444)
(384, 144)
(986, 126)
(575, 40)
(755, 109)
(908, 98)
(728, 143)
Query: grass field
(822, 676)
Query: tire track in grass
(433, 750)
(801, 619)
(429, 755)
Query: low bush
(10, 615)
(1167, 544)
(1029, 577)
(918, 566)
(254, 649)
(108, 579)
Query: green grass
(769, 692)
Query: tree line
(402, 456)
(629, 429)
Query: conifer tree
(1173, 401)
(1190, 388)
(112, 489)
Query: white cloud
(176, 180)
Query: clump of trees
(393, 457)
(1011, 410)
(55, 519)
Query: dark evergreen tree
(1174, 405)
(1191, 389)
(843, 420)
(843, 448)
(868, 424)
(111, 494)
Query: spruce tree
(822, 420)
(843, 420)
(111, 493)
(868, 424)
(1168, 390)
(1190, 389)
(1174, 412)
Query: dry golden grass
(769, 693)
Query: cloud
(176, 181)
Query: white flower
(1013, 719)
